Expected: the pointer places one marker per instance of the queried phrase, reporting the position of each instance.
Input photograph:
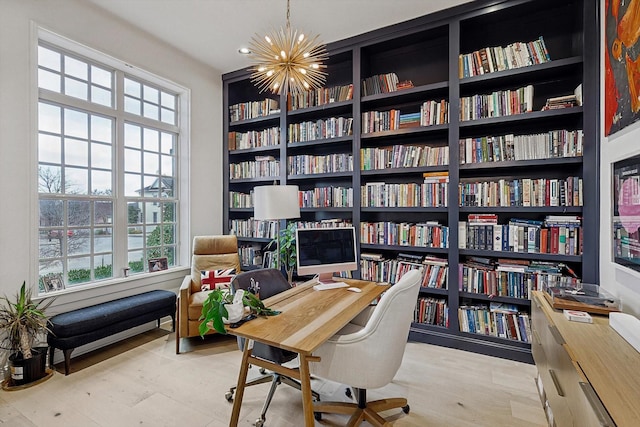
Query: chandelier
(287, 61)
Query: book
(578, 316)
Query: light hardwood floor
(142, 382)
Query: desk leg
(242, 380)
(307, 398)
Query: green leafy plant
(286, 244)
(213, 309)
(21, 320)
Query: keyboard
(326, 286)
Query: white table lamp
(276, 202)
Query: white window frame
(182, 186)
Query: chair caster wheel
(229, 396)
(406, 409)
(317, 416)
(259, 422)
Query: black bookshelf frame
(577, 42)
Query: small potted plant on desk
(21, 322)
(221, 307)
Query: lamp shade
(276, 202)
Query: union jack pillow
(217, 279)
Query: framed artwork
(626, 212)
(53, 282)
(158, 264)
(622, 64)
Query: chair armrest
(184, 296)
(362, 318)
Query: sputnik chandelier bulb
(287, 61)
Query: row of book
(324, 223)
(261, 167)
(512, 278)
(522, 235)
(425, 235)
(332, 127)
(525, 192)
(386, 195)
(320, 96)
(492, 59)
(403, 156)
(376, 267)
(250, 255)
(497, 104)
(326, 197)
(432, 311)
(254, 139)
(253, 109)
(240, 200)
(495, 321)
(378, 121)
(555, 143)
(431, 113)
(253, 228)
(306, 164)
(381, 83)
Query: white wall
(620, 281)
(82, 22)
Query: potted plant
(214, 309)
(22, 320)
(286, 244)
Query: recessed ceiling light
(244, 50)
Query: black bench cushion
(88, 320)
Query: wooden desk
(308, 318)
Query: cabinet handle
(603, 417)
(556, 334)
(556, 383)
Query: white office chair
(367, 353)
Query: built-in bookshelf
(463, 143)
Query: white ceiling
(213, 30)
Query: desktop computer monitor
(324, 251)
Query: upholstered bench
(85, 325)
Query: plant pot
(24, 371)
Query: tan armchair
(209, 253)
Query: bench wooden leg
(177, 332)
(67, 360)
(51, 354)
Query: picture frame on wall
(622, 85)
(626, 212)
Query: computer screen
(325, 251)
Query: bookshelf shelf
(522, 163)
(253, 151)
(407, 131)
(322, 142)
(332, 108)
(422, 57)
(263, 121)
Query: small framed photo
(158, 264)
(53, 282)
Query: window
(107, 158)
